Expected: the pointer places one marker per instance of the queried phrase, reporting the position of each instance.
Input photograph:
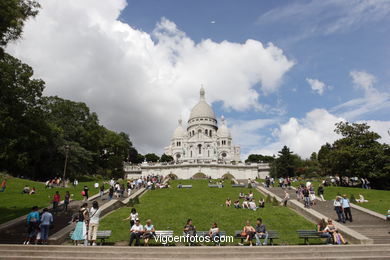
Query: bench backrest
(100, 233)
(271, 233)
(164, 233)
(206, 233)
(305, 233)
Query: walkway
(364, 223)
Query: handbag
(243, 234)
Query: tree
(166, 158)
(257, 158)
(285, 163)
(151, 157)
(357, 154)
(13, 14)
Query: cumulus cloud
(317, 85)
(136, 81)
(305, 135)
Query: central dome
(202, 109)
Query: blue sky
(330, 61)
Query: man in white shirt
(346, 208)
(135, 233)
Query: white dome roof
(179, 131)
(202, 109)
(223, 131)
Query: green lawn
(14, 204)
(170, 208)
(378, 200)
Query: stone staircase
(364, 223)
(224, 252)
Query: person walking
(101, 191)
(66, 201)
(80, 231)
(56, 201)
(320, 192)
(85, 192)
(339, 209)
(306, 197)
(346, 208)
(94, 217)
(3, 185)
(110, 193)
(32, 225)
(286, 198)
(46, 222)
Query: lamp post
(67, 148)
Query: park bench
(307, 234)
(272, 234)
(184, 186)
(206, 234)
(102, 235)
(163, 233)
(215, 185)
(239, 185)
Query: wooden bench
(215, 185)
(184, 186)
(102, 235)
(239, 185)
(272, 234)
(163, 233)
(307, 234)
(206, 234)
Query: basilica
(203, 140)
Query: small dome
(202, 109)
(179, 131)
(223, 130)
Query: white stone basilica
(203, 141)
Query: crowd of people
(87, 224)
(248, 202)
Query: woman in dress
(80, 231)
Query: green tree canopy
(166, 158)
(151, 157)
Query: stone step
(259, 257)
(186, 249)
(210, 254)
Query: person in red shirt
(3, 185)
(56, 201)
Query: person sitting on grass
(361, 199)
(26, 190)
(261, 203)
(332, 229)
(261, 232)
(149, 232)
(250, 195)
(248, 232)
(241, 195)
(245, 204)
(32, 191)
(228, 202)
(252, 205)
(321, 225)
(237, 204)
(136, 232)
(214, 232)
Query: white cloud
(362, 79)
(325, 17)
(317, 85)
(139, 82)
(372, 100)
(305, 135)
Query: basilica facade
(203, 139)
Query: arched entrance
(228, 176)
(199, 175)
(173, 176)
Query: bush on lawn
(352, 198)
(268, 199)
(275, 202)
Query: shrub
(352, 199)
(275, 202)
(136, 200)
(268, 199)
(131, 203)
(249, 186)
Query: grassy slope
(378, 200)
(170, 208)
(14, 204)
